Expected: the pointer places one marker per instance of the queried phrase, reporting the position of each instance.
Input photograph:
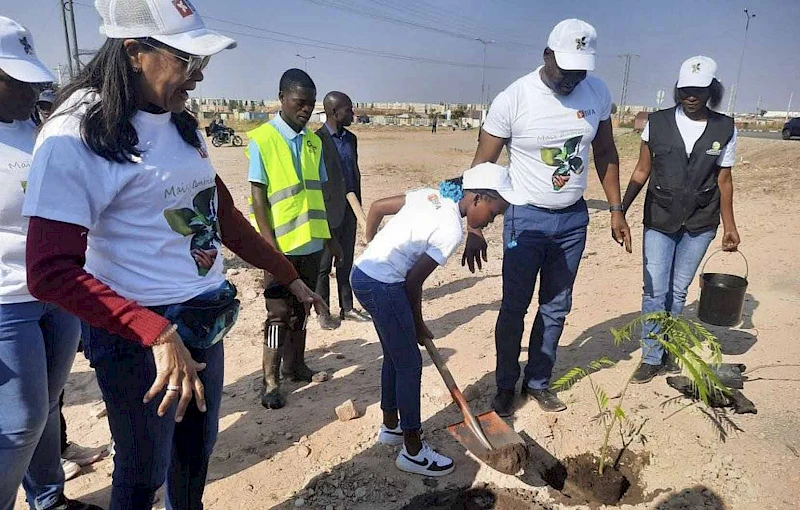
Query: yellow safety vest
(297, 209)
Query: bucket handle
(746, 265)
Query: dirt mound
(509, 459)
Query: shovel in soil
(487, 436)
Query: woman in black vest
(687, 153)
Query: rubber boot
(297, 370)
(271, 397)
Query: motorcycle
(226, 135)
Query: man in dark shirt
(340, 152)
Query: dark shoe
(503, 403)
(69, 504)
(272, 399)
(355, 315)
(327, 322)
(670, 365)
(297, 370)
(645, 373)
(546, 399)
(270, 393)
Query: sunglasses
(698, 92)
(194, 63)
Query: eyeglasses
(194, 63)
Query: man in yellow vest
(286, 175)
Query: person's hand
(335, 248)
(308, 297)
(176, 370)
(474, 249)
(422, 333)
(560, 180)
(620, 230)
(730, 240)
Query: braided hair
(454, 190)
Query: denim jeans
(151, 449)
(401, 373)
(670, 263)
(38, 342)
(549, 243)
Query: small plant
(682, 339)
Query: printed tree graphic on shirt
(200, 223)
(565, 159)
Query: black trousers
(346, 235)
(283, 308)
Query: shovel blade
(494, 428)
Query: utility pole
(485, 43)
(305, 59)
(625, 75)
(65, 21)
(732, 107)
(789, 108)
(76, 54)
(758, 107)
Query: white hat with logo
(697, 71)
(493, 177)
(574, 43)
(18, 57)
(175, 23)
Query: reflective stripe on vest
(296, 209)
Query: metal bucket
(722, 295)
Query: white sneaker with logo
(71, 469)
(392, 437)
(427, 462)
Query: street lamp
(306, 59)
(741, 59)
(483, 75)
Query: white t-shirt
(153, 230)
(549, 133)
(427, 224)
(16, 145)
(691, 131)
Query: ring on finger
(173, 387)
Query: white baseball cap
(574, 42)
(494, 177)
(17, 56)
(697, 71)
(175, 23)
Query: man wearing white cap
(548, 119)
(38, 341)
(686, 154)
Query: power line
(625, 75)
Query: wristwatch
(616, 208)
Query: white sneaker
(427, 462)
(71, 469)
(392, 437)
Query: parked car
(363, 119)
(791, 128)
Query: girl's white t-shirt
(153, 231)
(426, 224)
(16, 145)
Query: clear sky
(663, 33)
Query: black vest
(683, 192)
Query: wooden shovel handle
(458, 397)
(355, 205)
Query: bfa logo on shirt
(585, 113)
(715, 150)
(434, 199)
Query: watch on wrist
(616, 208)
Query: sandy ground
(265, 459)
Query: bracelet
(616, 208)
(164, 336)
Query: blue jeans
(549, 243)
(151, 449)
(38, 342)
(670, 263)
(401, 373)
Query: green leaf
(569, 379)
(619, 413)
(602, 398)
(571, 146)
(549, 155)
(178, 220)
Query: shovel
(483, 435)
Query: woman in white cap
(686, 154)
(38, 340)
(387, 279)
(128, 219)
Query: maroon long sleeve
(243, 240)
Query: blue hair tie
(451, 190)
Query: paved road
(760, 134)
